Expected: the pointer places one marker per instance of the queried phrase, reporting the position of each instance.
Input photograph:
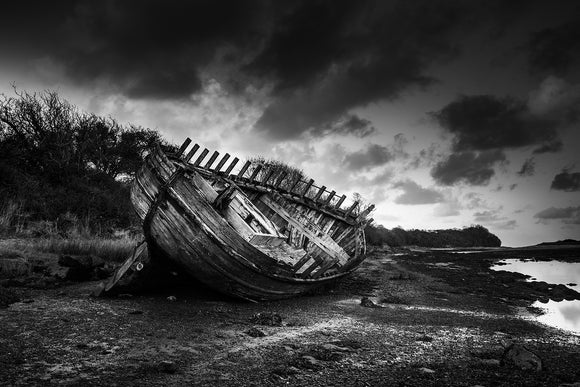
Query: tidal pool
(563, 314)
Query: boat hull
(182, 224)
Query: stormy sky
(442, 113)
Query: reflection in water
(564, 314)
(552, 272)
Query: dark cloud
(327, 57)
(472, 168)
(528, 168)
(556, 49)
(549, 147)
(351, 124)
(147, 49)
(374, 155)
(568, 215)
(566, 181)
(319, 58)
(484, 122)
(413, 194)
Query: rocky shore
(413, 318)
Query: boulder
(267, 318)
(521, 357)
(368, 303)
(255, 332)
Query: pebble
(255, 332)
(167, 367)
(426, 370)
(171, 298)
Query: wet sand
(436, 318)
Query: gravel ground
(429, 319)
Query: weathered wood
(222, 162)
(351, 209)
(308, 229)
(363, 214)
(340, 201)
(291, 190)
(268, 176)
(201, 157)
(243, 170)
(191, 153)
(280, 179)
(215, 247)
(319, 193)
(255, 173)
(329, 198)
(183, 146)
(232, 165)
(212, 159)
(307, 187)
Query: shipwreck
(249, 231)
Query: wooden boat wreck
(259, 233)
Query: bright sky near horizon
(442, 113)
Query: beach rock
(426, 370)
(255, 332)
(309, 362)
(335, 348)
(267, 318)
(167, 367)
(521, 357)
(490, 362)
(368, 303)
(425, 339)
(80, 267)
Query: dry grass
(113, 250)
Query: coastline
(432, 318)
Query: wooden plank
(319, 193)
(212, 159)
(266, 239)
(291, 190)
(340, 201)
(222, 162)
(191, 153)
(243, 170)
(183, 146)
(280, 178)
(255, 173)
(309, 230)
(329, 198)
(268, 176)
(308, 185)
(325, 266)
(363, 214)
(303, 263)
(232, 165)
(201, 157)
(310, 268)
(351, 209)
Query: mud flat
(427, 318)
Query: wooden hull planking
(221, 247)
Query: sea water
(563, 314)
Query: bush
(56, 160)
